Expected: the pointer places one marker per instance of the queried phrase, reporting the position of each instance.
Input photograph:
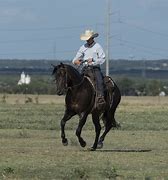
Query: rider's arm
(79, 57)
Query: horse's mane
(71, 69)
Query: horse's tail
(113, 93)
(114, 98)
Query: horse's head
(60, 75)
(65, 76)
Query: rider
(91, 56)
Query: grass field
(30, 144)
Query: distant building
(24, 79)
(27, 79)
(162, 93)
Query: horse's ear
(53, 65)
(61, 65)
(54, 70)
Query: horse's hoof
(83, 143)
(65, 142)
(100, 145)
(91, 149)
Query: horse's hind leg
(66, 117)
(108, 122)
(108, 116)
(96, 122)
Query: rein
(66, 81)
(78, 83)
(70, 87)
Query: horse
(80, 97)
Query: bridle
(56, 80)
(66, 77)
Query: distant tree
(127, 86)
(153, 88)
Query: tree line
(44, 84)
(132, 77)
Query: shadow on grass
(120, 150)
(124, 150)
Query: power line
(146, 49)
(84, 26)
(127, 44)
(144, 28)
(141, 45)
(54, 28)
(38, 39)
(49, 52)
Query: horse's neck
(75, 78)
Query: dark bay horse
(80, 100)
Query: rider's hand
(90, 61)
(77, 62)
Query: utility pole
(144, 68)
(54, 50)
(108, 35)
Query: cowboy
(91, 56)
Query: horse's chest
(74, 106)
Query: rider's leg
(99, 86)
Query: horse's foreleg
(96, 122)
(82, 122)
(66, 117)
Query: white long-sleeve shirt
(95, 52)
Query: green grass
(40, 155)
(30, 144)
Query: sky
(40, 29)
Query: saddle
(109, 89)
(107, 99)
(109, 83)
(104, 86)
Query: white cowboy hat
(88, 34)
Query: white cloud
(145, 3)
(148, 4)
(8, 12)
(16, 14)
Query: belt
(93, 67)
